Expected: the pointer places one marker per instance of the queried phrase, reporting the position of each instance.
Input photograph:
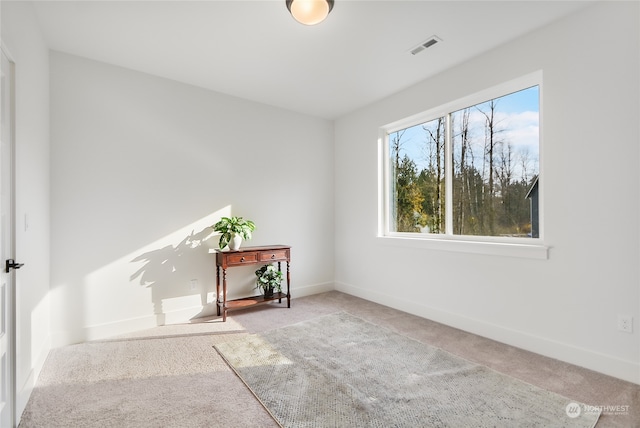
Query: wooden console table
(249, 256)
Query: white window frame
(492, 245)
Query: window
(469, 169)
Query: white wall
(22, 38)
(141, 166)
(566, 306)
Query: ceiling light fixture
(309, 12)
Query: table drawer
(242, 258)
(273, 256)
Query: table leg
(288, 286)
(218, 289)
(280, 299)
(224, 295)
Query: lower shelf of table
(251, 301)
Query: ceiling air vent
(426, 44)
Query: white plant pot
(236, 241)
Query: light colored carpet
(339, 370)
(169, 376)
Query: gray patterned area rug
(338, 370)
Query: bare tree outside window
(494, 152)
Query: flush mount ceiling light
(309, 12)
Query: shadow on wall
(169, 272)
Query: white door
(7, 332)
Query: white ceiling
(255, 50)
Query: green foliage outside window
(494, 156)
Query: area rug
(339, 370)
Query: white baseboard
(107, 330)
(602, 363)
(309, 290)
(104, 331)
(23, 392)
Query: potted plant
(268, 280)
(233, 230)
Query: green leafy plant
(229, 226)
(268, 279)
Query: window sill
(523, 250)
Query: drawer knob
(273, 256)
(242, 259)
